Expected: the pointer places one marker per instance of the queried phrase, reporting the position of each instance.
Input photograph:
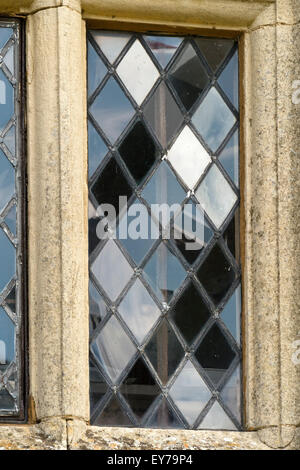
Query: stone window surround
(269, 35)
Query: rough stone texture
(57, 214)
(28, 438)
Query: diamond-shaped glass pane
(110, 184)
(163, 188)
(231, 235)
(96, 69)
(10, 299)
(8, 59)
(188, 76)
(98, 387)
(164, 273)
(7, 260)
(111, 43)
(7, 180)
(164, 418)
(216, 418)
(7, 340)
(216, 274)
(163, 47)
(11, 219)
(138, 72)
(97, 149)
(231, 314)
(113, 349)
(139, 388)
(216, 196)
(10, 140)
(188, 157)
(231, 394)
(215, 354)
(138, 310)
(214, 50)
(139, 151)
(104, 269)
(164, 351)
(98, 308)
(192, 231)
(229, 157)
(190, 313)
(112, 110)
(6, 100)
(5, 34)
(190, 393)
(229, 80)
(213, 119)
(6, 400)
(112, 415)
(163, 114)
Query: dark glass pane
(230, 236)
(11, 299)
(163, 47)
(164, 273)
(110, 184)
(214, 50)
(231, 394)
(216, 274)
(215, 354)
(164, 351)
(190, 393)
(188, 76)
(113, 349)
(6, 400)
(213, 119)
(139, 388)
(5, 34)
(163, 114)
(98, 387)
(7, 180)
(229, 80)
(97, 149)
(190, 313)
(139, 151)
(231, 315)
(94, 219)
(98, 308)
(112, 415)
(138, 310)
(229, 158)
(112, 110)
(96, 69)
(7, 260)
(7, 341)
(195, 232)
(164, 418)
(216, 418)
(6, 100)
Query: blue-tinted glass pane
(229, 80)
(6, 101)
(97, 69)
(163, 47)
(97, 149)
(11, 219)
(229, 158)
(7, 260)
(7, 340)
(5, 34)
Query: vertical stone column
(57, 211)
(272, 228)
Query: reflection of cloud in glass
(216, 196)
(7, 338)
(113, 348)
(111, 43)
(231, 394)
(216, 418)
(138, 310)
(231, 315)
(190, 393)
(229, 158)
(112, 110)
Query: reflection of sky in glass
(112, 110)
(192, 224)
(7, 260)
(229, 80)
(9, 60)
(190, 393)
(229, 158)
(97, 149)
(188, 157)
(137, 72)
(104, 269)
(97, 69)
(231, 314)
(10, 140)
(216, 418)
(213, 119)
(7, 338)
(7, 180)
(216, 196)
(5, 34)
(6, 100)
(111, 43)
(164, 272)
(11, 219)
(163, 47)
(231, 394)
(138, 310)
(113, 348)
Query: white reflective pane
(137, 72)
(216, 418)
(188, 157)
(111, 43)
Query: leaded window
(165, 303)
(11, 224)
